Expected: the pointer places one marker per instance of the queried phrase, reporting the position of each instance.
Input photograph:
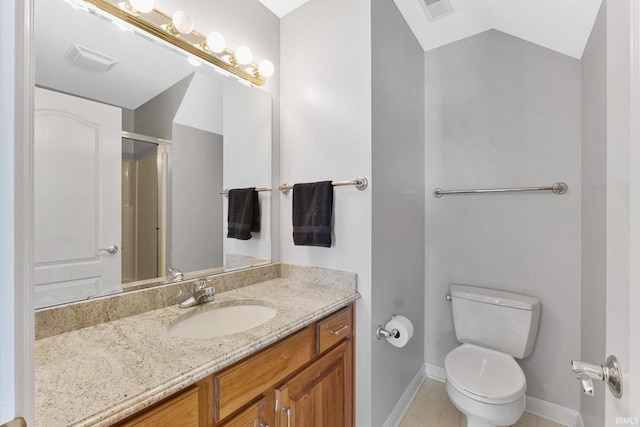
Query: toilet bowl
(483, 379)
(487, 386)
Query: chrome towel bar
(557, 188)
(226, 190)
(360, 183)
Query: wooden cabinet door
(321, 395)
(254, 415)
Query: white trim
(631, 383)
(556, 413)
(16, 211)
(435, 372)
(538, 407)
(7, 189)
(401, 408)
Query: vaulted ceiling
(560, 25)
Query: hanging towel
(244, 213)
(312, 212)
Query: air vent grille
(436, 9)
(89, 59)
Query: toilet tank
(502, 321)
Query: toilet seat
(485, 375)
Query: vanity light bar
(159, 24)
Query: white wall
(326, 135)
(398, 219)
(247, 143)
(594, 215)
(201, 106)
(502, 112)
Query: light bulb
(215, 42)
(265, 68)
(243, 55)
(141, 6)
(182, 22)
(194, 61)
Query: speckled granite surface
(100, 374)
(321, 276)
(69, 317)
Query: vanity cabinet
(254, 415)
(303, 380)
(181, 409)
(321, 395)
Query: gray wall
(155, 117)
(594, 204)
(502, 112)
(196, 204)
(398, 220)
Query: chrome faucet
(201, 294)
(174, 275)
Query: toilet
(483, 379)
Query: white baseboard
(556, 413)
(435, 372)
(401, 408)
(541, 408)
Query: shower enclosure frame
(162, 164)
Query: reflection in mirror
(133, 145)
(143, 206)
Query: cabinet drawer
(333, 329)
(234, 387)
(179, 410)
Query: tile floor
(432, 408)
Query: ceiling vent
(436, 9)
(88, 59)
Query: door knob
(610, 373)
(113, 249)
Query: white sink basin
(222, 321)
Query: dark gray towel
(244, 213)
(312, 213)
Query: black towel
(312, 212)
(244, 213)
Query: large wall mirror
(134, 143)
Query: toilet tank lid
(495, 297)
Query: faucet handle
(201, 284)
(174, 275)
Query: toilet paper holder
(381, 333)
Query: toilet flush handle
(610, 373)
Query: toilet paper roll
(404, 328)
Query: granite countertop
(101, 374)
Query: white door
(77, 185)
(623, 206)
